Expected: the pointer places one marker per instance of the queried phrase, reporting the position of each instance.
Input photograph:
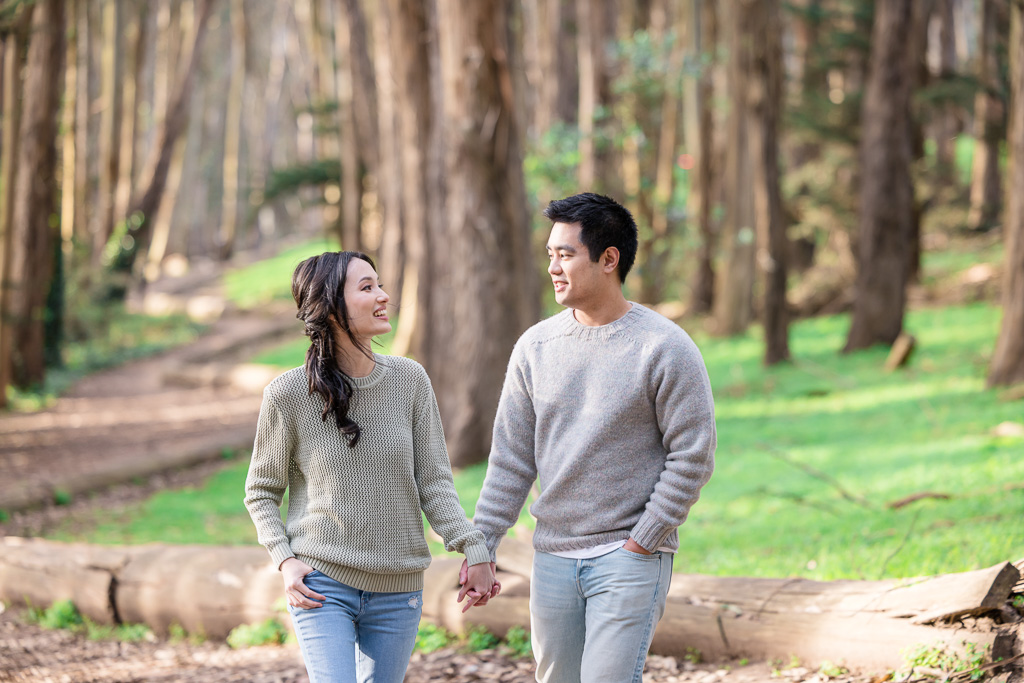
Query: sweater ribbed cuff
(650, 532)
(279, 553)
(477, 554)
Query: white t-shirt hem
(597, 551)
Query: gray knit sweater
(617, 423)
(354, 513)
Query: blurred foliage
(268, 632)
(291, 179)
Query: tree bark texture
(701, 145)
(35, 192)
(13, 86)
(231, 168)
(348, 137)
(886, 196)
(1008, 359)
(986, 186)
(766, 108)
(734, 292)
(392, 254)
(422, 184)
(488, 248)
(110, 125)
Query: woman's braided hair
(318, 287)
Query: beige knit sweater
(354, 513)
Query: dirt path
(129, 422)
(29, 653)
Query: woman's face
(366, 301)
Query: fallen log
(866, 625)
(204, 589)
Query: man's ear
(610, 260)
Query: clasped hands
(478, 584)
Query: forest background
(784, 161)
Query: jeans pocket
(640, 556)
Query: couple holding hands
(607, 404)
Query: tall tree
(14, 43)
(112, 79)
(886, 196)
(238, 75)
(348, 136)
(986, 189)
(703, 36)
(146, 197)
(487, 222)
(35, 193)
(413, 59)
(766, 107)
(1008, 359)
(392, 252)
(733, 308)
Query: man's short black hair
(603, 223)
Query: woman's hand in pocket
(294, 570)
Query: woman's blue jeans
(593, 620)
(356, 635)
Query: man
(607, 403)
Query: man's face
(577, 280)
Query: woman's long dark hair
(318, 287)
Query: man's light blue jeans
(357, 635)
(593, 620)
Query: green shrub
(517, 640)
(940, 657)
(478, 638)
(431, 638)
(60, 615)
(269, 632)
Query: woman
(356, 438)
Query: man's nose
(554, 267)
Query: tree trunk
(486, 222)
(701, 146)
(886, 197)
(69, 133)
(664, 139)
(366, 103)
(1008, 359)
(135, 36)
(348, 137)
(766, 107)
(35, 193)
(589, 43)
(734, 293)
(595, 27)
(154, 176)
(13, 87)
(946, 124)
(229, 215)
(421, 172)
(80, 223)
(813, 81)
(110, 125)
(986, 190)
(392, 243)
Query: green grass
(809, 455)
(270, 280)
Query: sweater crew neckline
(576, 328)
(380, 369)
